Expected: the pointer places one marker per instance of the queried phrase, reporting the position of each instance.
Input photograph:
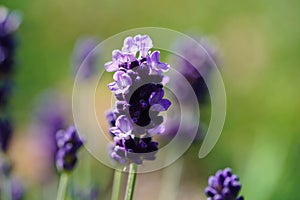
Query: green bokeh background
(260, 45)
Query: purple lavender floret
(68, 143)
(224, 186)
(5, 133)
(138, 88)
(9, 23)
(85, 56)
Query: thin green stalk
(131, 181)
(62, 188)
(6, 193)
(116, 191)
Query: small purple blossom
(224, 186)
(68, 143)
(85, 55)
(138, 87)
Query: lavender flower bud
(138, 87)
(68, 143)
(224, 186)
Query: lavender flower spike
(138, 87)
(68, 143)
(9, 23)
(223, 186)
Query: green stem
(131, 181)
(62, 188)
(116, 191)
(6, 193)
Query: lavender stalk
(68, 143)
(131, 182)
(116, 191)
(138, 88)
(62, 188)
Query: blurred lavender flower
(5, 133)
(198, 59)
(138, 87)
(84, 50)
(9, 23)
(193, 54)
(68, 143)
(50, 116)
(17, 190)
(224, 186)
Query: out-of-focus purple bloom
(138, 87)
(50, 115)
(50, 112)
(68, 143)
(85, 56)
(5, 167)
(199, 57)
(198, 60)
(17, 190)
(5, 133)
(9, 23)
(224, 186)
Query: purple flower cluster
(68, 143)
(9, 23)
(138, 88)
(224, 186)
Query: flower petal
(156, 96)
(111, 66)
(165, 103)
(124, 124)
(122, 79)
